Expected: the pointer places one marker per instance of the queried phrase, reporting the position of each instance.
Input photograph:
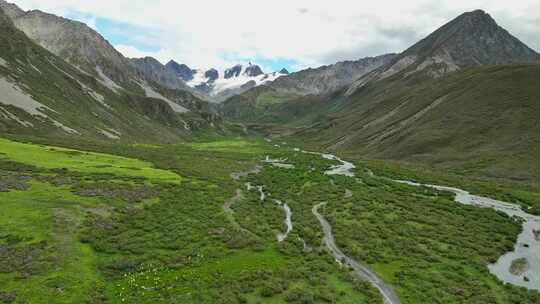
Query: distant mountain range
(212, 85)
(466, 92)
(83, 47)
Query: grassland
(84, 162)
(429, 248)
(231, 146)
(524, 193)
(41, 257)
(75, 230)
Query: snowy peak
(212, 75)
(234, 80)
(235, 71)
(253, 71)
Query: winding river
(527, 246)
(361, 270)
(388, 294)
(288, 221)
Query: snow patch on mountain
(153, 94)
(232, 79)
(110, 133)
(222, 84)
(12, 95)
(3, 62)
(106, 81)
(8, 115)
(198, 79)
(65, 128)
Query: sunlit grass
(239, 146)
(80, 161)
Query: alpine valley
(409, 177)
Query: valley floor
(231, 221)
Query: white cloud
(312, 32)
(130, 51)
(90, 21)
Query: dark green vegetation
(129, 232)
(431, 249)
(102, 234)
(156, 215)
(519, 192)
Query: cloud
(88, 20)
(305, 32)
(130, 51)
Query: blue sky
(125, 34)
(294, 34)
(117, 33)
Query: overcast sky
(290, 33)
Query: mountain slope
(154, 71)
(43, 95)
(476, 110)
(329, 78)
(75, 42)
(273, 102)
(231, 82)
(484, 118)
(472, 39)
(180, 70)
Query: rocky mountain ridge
(472, 39)
(42, 94)
(329, 78)
(74, 41)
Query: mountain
(482, 117)
(75, 42)
(476, 108)
(233, 81)
(472, 39)
(327, 79)
(164, 75)
(253, 71)
(157, 72)
(43, 95)
(206, 84)
(180, 70)
(264, 104)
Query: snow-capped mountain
(220, 85)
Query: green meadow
(116, 225)
(85, 162)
